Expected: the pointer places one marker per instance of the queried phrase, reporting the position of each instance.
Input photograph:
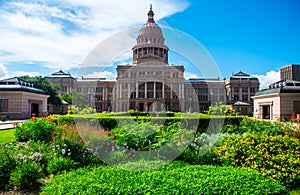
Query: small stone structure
(280, 101)
(19, 99)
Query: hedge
(110, 122)
(170, 179)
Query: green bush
(26, 176)
(275, 156)
(166, 180)
(59, 164)
(7, 164)
(199, 150)
(220, 109)
(250, 125)
(192, 121)
(148, 136)
(65, 119)
(37, 130)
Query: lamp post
(190, 108)
(89, 96)
(211, 93)
(109, 104)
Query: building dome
(150, 45)
(150, 33)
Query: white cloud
(3, 72)
(267, 79)
(188, 75)
(105, 74)
(62, 33)
(23, 73)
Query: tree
(49, 88)
(80, 99)
(67, 97)
(220, 109)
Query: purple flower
(193, 144)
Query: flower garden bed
(265, 152)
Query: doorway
(141, 107)
(35, 109)
(266, 112)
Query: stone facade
(280, 101)
(20, 99)
(291, 72)
(151, 84)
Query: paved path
(9, 124)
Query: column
(154, 90)
(163, 90)
(128, 92)
(145, 90)
(136, 90)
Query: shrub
(65, 119)
(134, 135)
(26, 176)
(221, 109)
(178, 179)
(53, 118)
(250, 125)
(148, 136)
(59, 164)
(37, 130)
(7, 164)
(199, 150)
(275, 156)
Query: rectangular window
(124, 86)
(99, 89)
(132, 86)
(3, 105)
(149, 94)
(175, 74)
(236, 98)
(110, 90)
(141, 95)
(64, 88)
(133, 74)
(99, 97)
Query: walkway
(9, 124)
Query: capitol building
(152, 84)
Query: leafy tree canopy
(67, 97)
(49, 88)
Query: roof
(240, 103)
(242, 76)
(17, 84)
(60, 74)
(282, 86)
(204, 80)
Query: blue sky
(257, 37)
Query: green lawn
(7, 136)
